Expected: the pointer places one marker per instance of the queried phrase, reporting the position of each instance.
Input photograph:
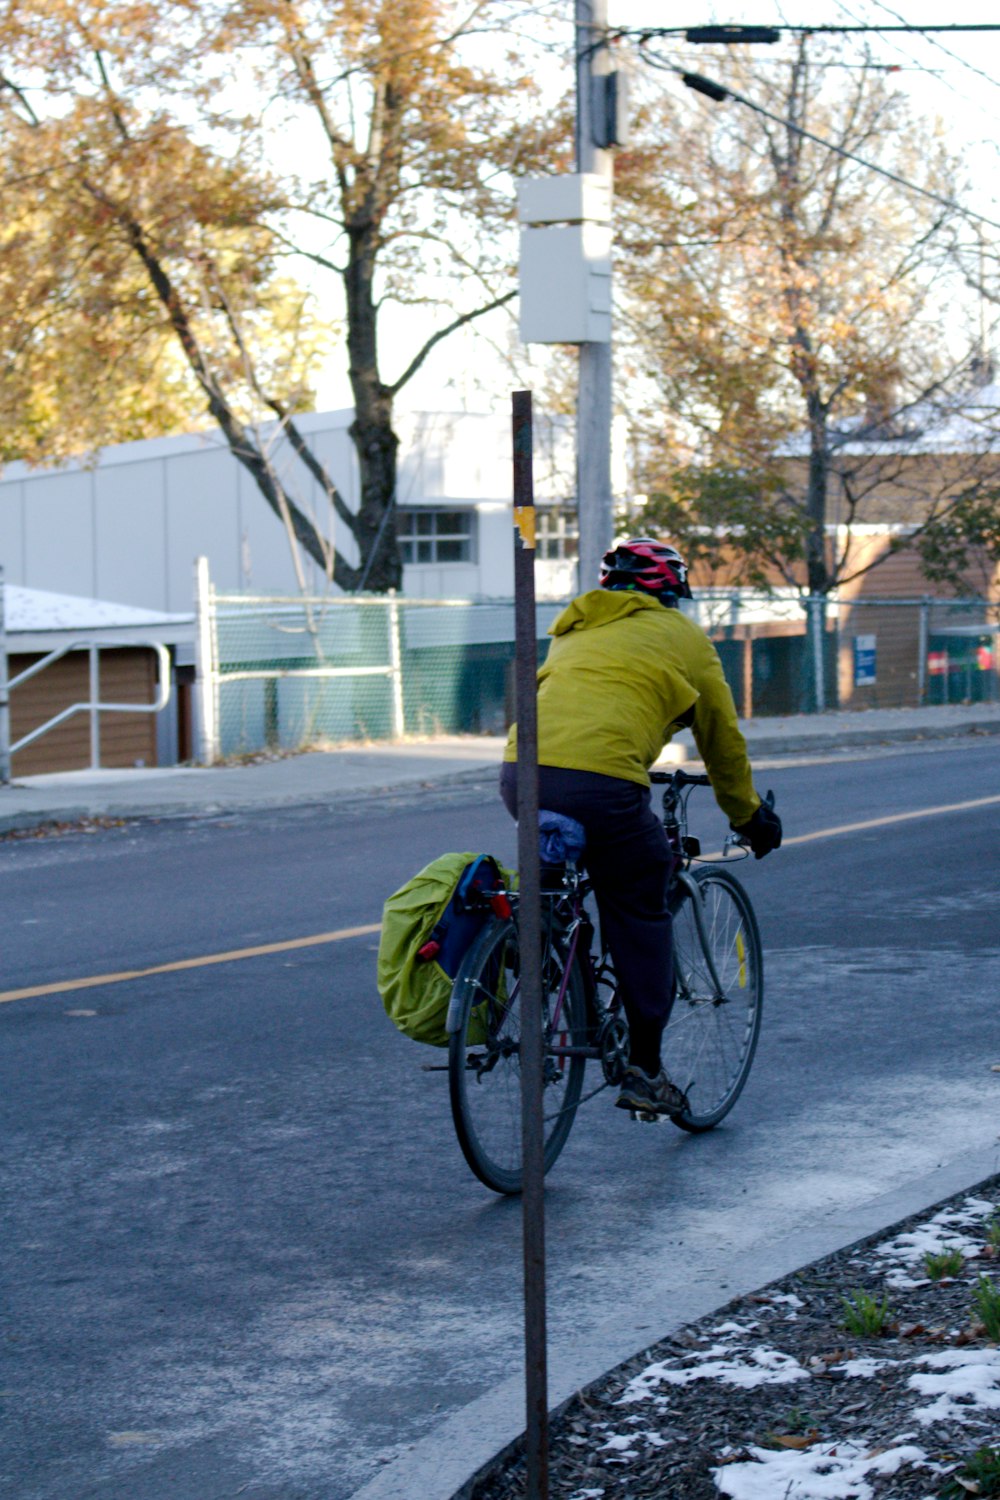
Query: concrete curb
(24, 822)
(237, 806)
(793, 744)
(764, 745)
(444, 1465)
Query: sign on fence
(864, 660)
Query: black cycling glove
(763, 832)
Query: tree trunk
(372, 433)
(376, 445)
(818, 571)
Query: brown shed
(116, 642)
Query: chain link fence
(896, 653)
(875, 653)
(282, 673)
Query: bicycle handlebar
(678, 778)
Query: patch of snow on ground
(824, 1472)
(863, 1369)
(939, 1234)
(760, 1366)
(624, 1445)
(621, 1442)
(968, 1381)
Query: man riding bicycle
(625, 670)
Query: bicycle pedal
(645, 1116)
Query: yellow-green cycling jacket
(620, 672)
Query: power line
(719, 92)
(938, 77)
(767, 35)
(940, 45)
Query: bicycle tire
(710, 1041)
(484, 1074)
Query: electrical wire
(933, 72)
(826, 28)
(718, 93)
(646, 34)
(920, 31)
(938, 77)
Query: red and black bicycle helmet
(643, 563)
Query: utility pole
(593, 408)
(565, 270)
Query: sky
(954, 77)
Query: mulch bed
(775, 1397)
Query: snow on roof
(203, 440)
(969, 425)
(31, 610)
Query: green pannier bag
(428, 926)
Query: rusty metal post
(529, 920)
(4, 694)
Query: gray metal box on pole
(565, 259)
(565, 271)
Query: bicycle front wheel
(711, 1038)
(484, 1063)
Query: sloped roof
(967, 425)
(31, 611)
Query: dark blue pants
(629, 863)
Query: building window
(558, 532)
(436, 536)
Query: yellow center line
(905, 817)
(887, 821)
(62, 986)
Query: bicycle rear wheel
(484, 1068)
(709, 1044)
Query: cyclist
(625, 670)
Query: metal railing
(93, 705)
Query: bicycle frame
(577, 887)
(678, 787)
(709, 1041)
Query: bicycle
(709, 1043)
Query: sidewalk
(321, 777)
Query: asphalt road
(242, 1252)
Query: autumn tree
(90, 355)
(792, 320)
(161, 134)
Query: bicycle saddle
(560, 839)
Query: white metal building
(128, 526)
